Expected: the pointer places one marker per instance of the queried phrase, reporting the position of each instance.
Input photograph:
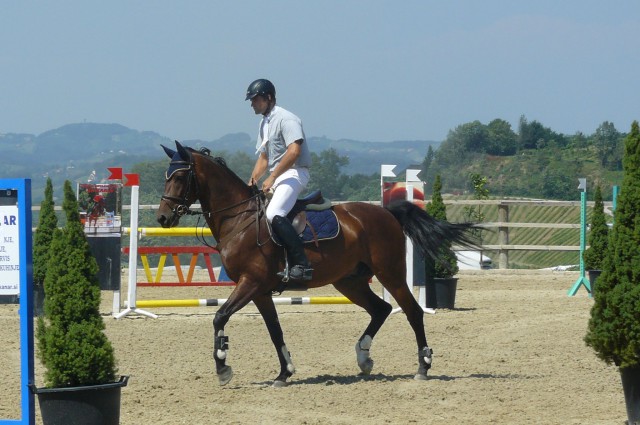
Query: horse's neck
(222, 199)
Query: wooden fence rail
(503, 246)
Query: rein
(181, 208)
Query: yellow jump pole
(219, 301)
(173, 231)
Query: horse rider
(282, 150)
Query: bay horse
(371, 243)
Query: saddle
(312, 218)
(312, 202)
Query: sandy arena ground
(511, 352)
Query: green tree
(472, 136)
(533, 135)
(71, 343)
(447, 263)
(427, 162)
(360, 187)
(558, 180)
(152, 174)
(326, 175)
(501, 139)
(47, 224)
(598, 235)
(606, 140)
(474, 213)
(614, 327)
(455, 149)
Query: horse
(96, 212)
(371, 242)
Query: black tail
(427, 233)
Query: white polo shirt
(277, 131)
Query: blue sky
(366, 70)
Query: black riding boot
(299, 269)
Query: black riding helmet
(261, 87)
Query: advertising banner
(101, 208)
(9, 243)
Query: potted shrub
(441, 284)
(614, 326)
(598, 239)
(47, 224)
(79, 362)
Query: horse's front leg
(240, 297)
(270, 316)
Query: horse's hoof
(366, 366)
(420, 377)
(225, 375)
(279, 384)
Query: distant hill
(73, 151)
(364, 157)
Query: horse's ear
(184, 154)
(168, 151)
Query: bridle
(180, 207)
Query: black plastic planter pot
(441, 292)
(631, 387)
(87, 405)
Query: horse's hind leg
(357, 289)
(270, 315)
(415, 315)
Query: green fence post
(582, 280)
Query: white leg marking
(287, 356)
(362, 354)
(429, 358)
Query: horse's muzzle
(167, 220)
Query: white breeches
(287, 188)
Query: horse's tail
(427, 233)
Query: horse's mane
(218, 160)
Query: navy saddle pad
(324, 223)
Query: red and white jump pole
(133, 180)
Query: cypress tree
(447, 263)
(614, 327)
(598, 235)
(47, 223)
(71, 343)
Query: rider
(282, 150)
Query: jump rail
(174, 252)
(214, 302)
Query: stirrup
(297, 273)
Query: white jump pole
(412, 176)
(133, 260)
(385, 171)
